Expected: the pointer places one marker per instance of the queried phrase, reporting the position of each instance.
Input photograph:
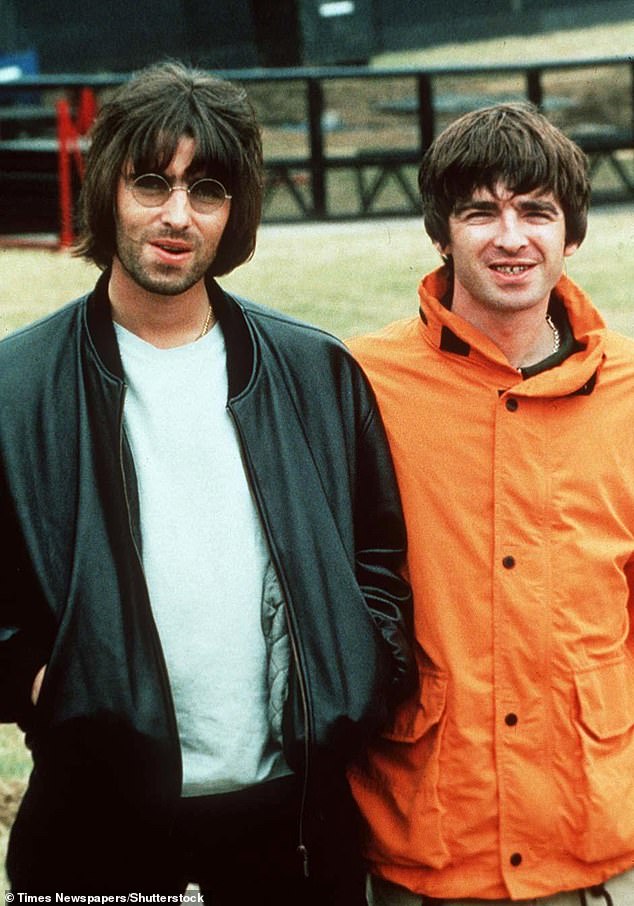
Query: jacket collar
(452, 334)
(241, 347)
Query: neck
(525, 337)
(163, 320)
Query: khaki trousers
(618, 891)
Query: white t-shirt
(204, 558)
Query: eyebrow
(472, 205)
(485, 206)
(538, 204)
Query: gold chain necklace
(206, 324)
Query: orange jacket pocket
(605, 726)
(398, 790)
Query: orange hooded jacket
(513, 775)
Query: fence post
(534, 90)
(632, 100)
(426, 123)
(315, 113)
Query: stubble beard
(161, 279)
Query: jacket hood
(452, 334)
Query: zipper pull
(303, 852)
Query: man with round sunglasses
(202, 618)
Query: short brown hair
(511, 144)
(143, 123)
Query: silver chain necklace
(555, 332)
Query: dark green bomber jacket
(73, 593)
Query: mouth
(512, 270)
(171, 249)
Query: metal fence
(338, 141)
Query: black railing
(323, 163)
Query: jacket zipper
(160, 659)
(302, 849)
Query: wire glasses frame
(152, 190)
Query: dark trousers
(240, 848)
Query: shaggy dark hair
(140, 128)
(511, 144)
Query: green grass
(15, 764)
(355, 277)
(15, 761)
(346, 277)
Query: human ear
(443, 250)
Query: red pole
(87, 110)
(68, 136)
(64, 136)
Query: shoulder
(315, 367)
(619, 357)
(388, 344)
(275, 322)
(39, 335)
(39, 353)
(619, 345)
(294, 340)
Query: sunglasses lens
(207, 193)
(151, 190)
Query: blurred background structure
(117, 36)
(349, 92)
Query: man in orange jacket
(509, 407)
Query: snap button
(508, 562)
(511, 404)
(516, 859)
(511, 719)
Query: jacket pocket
(605, 728)
(397, 787)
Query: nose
(510, 235)
(176, 211)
